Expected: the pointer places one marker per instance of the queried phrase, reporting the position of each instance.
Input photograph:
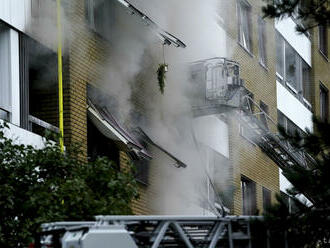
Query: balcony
(217, 88)
(262, 130)
(217, 85)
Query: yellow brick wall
(247, 158)
(320, 69)
(140, 206)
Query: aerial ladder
(150, 231)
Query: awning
(110, 128)
(166, 37)
(146, 138)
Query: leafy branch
(161, 76)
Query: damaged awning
(166, 37)
(146, 138)
(109, 127)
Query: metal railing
(266, 135)
(166, 231)
(42, 124)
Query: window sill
(291, 88)
(307, 103)
(279, 76)
(263, 66)
(241, 133)
(245, 49)
(323, 55)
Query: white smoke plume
(132, 79)
(131, 82)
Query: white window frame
(245, 40)
(5, 78)
(262, 40)
(297, 91)
(324, 53)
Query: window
(5, 99)
(288, 126)
(279, 56)
(323, 40)
(99, 145)
(292, 71)
(215, 82)
(248, 188)
(38, 86)
(244, 24)
(324, 101)
(142, 170)
(262, 41)
(307, 82)
(100, 15)
(266, 198)
(263, 117)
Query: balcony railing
(263, 132)
(216, 82)
(42, 126)
(218, 88)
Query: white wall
(287, 28)
(292, 108)
(16, 12)
(212, 132)
(285, 185)
(22, 136)
(14, 77)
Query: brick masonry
(87, 50)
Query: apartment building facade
(270, 75)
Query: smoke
(129, 79)
(168, 118)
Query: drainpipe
(60, 78)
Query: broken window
(107, 137)
(100, 16)
(244, 24)
(141, 166)
(266, 198)
(249, 200)
(292, 71)
(263, 117)
(5, 99)
(324, 101)
(323, 40)
(262, 41)
(100, 146)
(38, 87)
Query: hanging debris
(161, 76)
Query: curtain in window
(5, 96)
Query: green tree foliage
(303, 225)
(310, 13)
(45, 185)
